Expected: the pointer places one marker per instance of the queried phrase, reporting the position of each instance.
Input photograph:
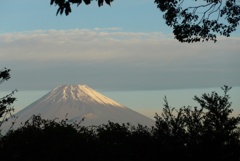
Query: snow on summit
(76, 102)
(79, 93)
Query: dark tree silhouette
(199, 20)
(6, 102)
(202, 19)
(208, 133)
(64, 6)
(47, 140)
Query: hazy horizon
(147, 102)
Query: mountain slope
(75, 102)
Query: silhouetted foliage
(194, 21)
(6, 102)
(205, 133)
(45, 140)
(64, 6)
(202, 20)
(208, 132)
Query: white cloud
(151, 57)
(75, 45)
(107, 29)
(100, 45)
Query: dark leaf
(108, 2)
(87, 2)
(52, 1)
(79, 2)
(58, 10)
(4, 74)
(100, 3)
(61, 10)
(67, 8)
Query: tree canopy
(208, 132)
(198, 20)
(6, 102)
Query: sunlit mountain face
(75, 102)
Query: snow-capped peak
(76, 102)
(82, 93)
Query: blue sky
(125, 47)
(134, 15)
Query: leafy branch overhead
(65, 5)
(202, 20)
(192, 21)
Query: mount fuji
(76, 102)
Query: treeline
(206, 133)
